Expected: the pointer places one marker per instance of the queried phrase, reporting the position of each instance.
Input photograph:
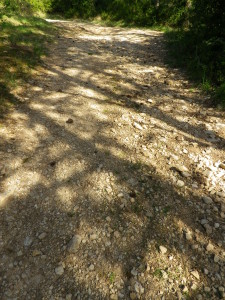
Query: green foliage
(26, 6)
(74, 8)
(220, 95)
(201, 48)
(22, 44)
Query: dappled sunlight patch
(17, 186)
(95, 38)
(66, 195)
(68, 168)
(71, 71)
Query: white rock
(93, 236)
(134, 272)
(163, 249)
(209, 247)
(59, 270)
(138, 288)
(180, 183)
(195, 274)
(188, 236)
(138, 126)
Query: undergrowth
(203, 60)
(23, 41)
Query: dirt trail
(112, 176)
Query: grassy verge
(23, 43)
(200, 60)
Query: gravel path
(112, 174)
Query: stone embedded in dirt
(209, 247)
(93, 236)
(42, 235)
(216, 225)
(206, 271)
(28, 241)
(208, 228)
(207, 200)
(74, 244)
(180, 183)
(195, 274)
(138, 126)
(139, 288)
(185, 174)
(134, 272)
(188, 236)
(59, 270)
(116, 234)
(69, 121)
(163, 249)
(36, 253)
(216, 258)
(204, 221)
(91, 267)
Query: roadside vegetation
(23, 43)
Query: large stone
(207, 200)
(195, 274)
(74, 244)
(209, 247)
(162, 249)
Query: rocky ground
(112, 176)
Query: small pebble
(59, 270)
(163, 249)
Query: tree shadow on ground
(79, 178)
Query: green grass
(23, 43)
(158, 273)
(112, 277)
